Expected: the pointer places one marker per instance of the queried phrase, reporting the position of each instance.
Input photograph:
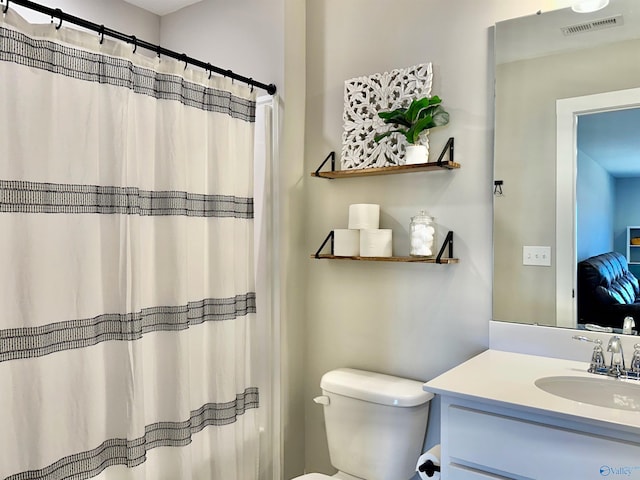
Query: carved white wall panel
(364, 97)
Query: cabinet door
(462, 473)
(517, 448)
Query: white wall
(412, 320)
(114, 14)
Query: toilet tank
(375, 423)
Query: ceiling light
(588, 6)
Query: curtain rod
(102, 30)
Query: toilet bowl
(375, 424)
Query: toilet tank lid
(375, 387)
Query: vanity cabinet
(487, 443)
(497, 424)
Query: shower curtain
(126, 263)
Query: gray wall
(412, 320)
(525, 160)
(595, 208)
(246, 36)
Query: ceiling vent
(615, 21)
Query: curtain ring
(101, 34)
(184, 58)
(6, 7)
(251, 83)
(210, 68)
(158, 50)
(59, 13)
(135, 43)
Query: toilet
(375, 425)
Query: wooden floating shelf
(370, 172)
(388, 259)
(438, 259)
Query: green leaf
(396, 117)
(398, 112)
(427, 111)
(380, 136)
(440, 117)
(415, 107)
(420, 126)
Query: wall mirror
(567, 156)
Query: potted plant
(414, 122)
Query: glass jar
(422, 235)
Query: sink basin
(600, 391)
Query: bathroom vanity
(500, 421)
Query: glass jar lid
(422, 217)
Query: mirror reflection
(607, 218)
(567, 154)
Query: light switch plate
(540, 256)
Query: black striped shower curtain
(127, 297)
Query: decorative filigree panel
(364, 97)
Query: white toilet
(375, 425)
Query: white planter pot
(416, 154)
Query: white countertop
(507, 379)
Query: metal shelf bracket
(447, 148)
(329, 238)
(332, 157)
(448, 242)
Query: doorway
(568, 112)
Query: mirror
(549, 65)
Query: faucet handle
(584, 338)
(597, 358)
(597, 364)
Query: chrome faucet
(617, 367)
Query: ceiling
(538, 35)
(162, 7)
(611, 139)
